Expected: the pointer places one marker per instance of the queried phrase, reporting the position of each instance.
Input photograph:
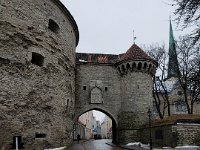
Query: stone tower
(37, 78)
(136, 69)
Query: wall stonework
(108, 77)
(44, 88)
(33, 98)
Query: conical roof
(135, 53)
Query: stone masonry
(46, 86)
(123, 89)
(37, 50)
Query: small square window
(37, 59)
(40, 135)
(84, 88)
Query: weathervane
(134, 38)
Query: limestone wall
(136, 98)
(102, 79)
(37, 63)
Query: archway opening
(95, 124)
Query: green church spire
(173, 61)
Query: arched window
(123, 68)
(133, 66)
(140, 66)
(145, 65)
(96, 96)
(149, 69)
(128, 66)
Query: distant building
(106, 128)
(84, 126)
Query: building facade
(106, 128)
(87, 120)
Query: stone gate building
(46, 86)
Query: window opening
(37, 59)
(18, 140)
(84, 88)
(40, 135)
(106, 88)
(53, 26)
(180, 107)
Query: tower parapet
(136, 60)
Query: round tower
(136, 69)
(37, 78)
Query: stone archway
(114, 121)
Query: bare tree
(188, 13)
(160, 93)
(189, 65)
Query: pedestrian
(78, 137)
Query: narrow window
(53, 26)
(37, 59)
(106, 88)
(139, 66)
(40, 135)
(67, 103)
(84, 88)
(18, 140)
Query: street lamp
(150, 138)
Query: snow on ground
(165, 148)
(60, 148)
(138, 144)
(187, 147)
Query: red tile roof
(134, 53)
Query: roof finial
(134, 38)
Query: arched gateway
(119, 85)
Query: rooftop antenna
(134, 38)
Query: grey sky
(106, 26)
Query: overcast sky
(106, 26)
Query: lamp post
(150, 138)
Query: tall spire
(173, 61)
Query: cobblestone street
(94, 145)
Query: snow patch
(139, 144)
(187, 147)
(60, 148)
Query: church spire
(173, 61)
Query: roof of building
(96, 58)
(133, 53)
(176, 118)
